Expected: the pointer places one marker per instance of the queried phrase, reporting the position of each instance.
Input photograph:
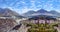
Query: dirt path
(58, 29)
(23, 28)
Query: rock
(6, 24)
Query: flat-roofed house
(41, 20)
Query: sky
(22, 6)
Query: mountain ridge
(6, 12)
(43, 12)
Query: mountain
(28, 13)
(55, 13)
(7, 12)
(42, 12)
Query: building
(41, 20)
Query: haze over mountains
(42, 12)
(8, 12)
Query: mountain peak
(41, 11)
(7, 12)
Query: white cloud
(32, 1)
(48, 6)
(12, 4)
(33, 4)
(18, 10)
(22, 2)
(38, 2)
(25, 9)
(39, 6)
(21, 6)
(8, 7)
(50, 1)
(15, 9)
(19, 3)
(43, 1)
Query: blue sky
(22, 6)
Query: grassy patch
(42, 28)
